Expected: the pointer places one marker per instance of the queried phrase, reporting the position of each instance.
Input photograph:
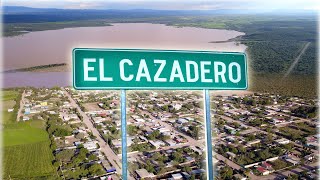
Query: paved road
(105, 148)
(21, 105)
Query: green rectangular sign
(158, 69)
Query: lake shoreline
(59, 43)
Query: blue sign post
(124, 134)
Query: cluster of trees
(292, 134)
(54, 127)
(225, 173)
(248, 156)
(305, 111)
(78, 163)
(157, 135)
(308, 128)
(106, 105)
(278, 164)
(178, 156)
(132, 130)
(141, 147)
(194, 131)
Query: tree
(195, 131)
(65, 155)
(92, 157)
(95, 169)
(80, 136)
(293, 177)
(226, 173)
(193, 177)
(178, 157)
(187, 169)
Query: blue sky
(259, 5)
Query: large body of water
(55, 46)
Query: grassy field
(9, 95)
(28, 160)
(8, 99)
(294, 85)
(24, 133)
(27, 154)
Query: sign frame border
(156, 88)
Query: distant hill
(21, 14)
(23, 9)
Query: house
(276, 121)
(177, 176)
(239, 177)
(282, 141)
(43, 103)
(143, 173)
(177, 106)
(66, 118)
(116, 143)
(309, 157)
(291, 159)
(231, 155)
(254, 142)
(185, 175)
(10, 110)
(27, 111)
(198, 171)
(263, 171)
(139, 120)
(181, 121)
(25, 118)
(91, 145)
(157, 143)
(170, 142)
(230, 129)
(266, 165)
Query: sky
(259, 5)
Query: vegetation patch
(28, 160)
(24, 133)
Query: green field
(24, 133)
(8, 99)
(294, 85)
(28, 160)
(9, 95)
(26, 145)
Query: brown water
(55, 46)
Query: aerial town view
(256, 135)
(52, 130)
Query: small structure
(262, 171)
(176, 176)
(266, 165)
(182, 121)
(282, 141)
(143, 173)
(25, 118)
(239, 176)
(231, 155)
